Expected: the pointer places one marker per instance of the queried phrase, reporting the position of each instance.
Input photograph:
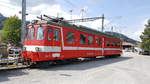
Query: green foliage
(11, 30)
(145, 37)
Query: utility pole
(71, 14)
(57, 14)
(82, 11)
(103, 22)
(23, 28)
(112, 29)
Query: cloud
(136, 34)
(43, 7)
(48, 7)
(145, 21)
(31, 3)
(56, 9)
(8, 9)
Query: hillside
(2, 18)
(123, 37)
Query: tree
(12, 30)
(145, 37)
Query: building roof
(128, 44)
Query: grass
(1, 30)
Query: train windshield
(30, 34)
(40, 34)
(31, 30)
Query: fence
(3, 52)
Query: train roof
(77, 27)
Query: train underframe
(45, 63)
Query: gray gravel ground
(128, 69)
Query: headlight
(37, 49)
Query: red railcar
(48, 41)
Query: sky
(126, 16)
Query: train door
(50, 36)
(54, 37)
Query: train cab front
(41, 42)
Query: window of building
(90, 40)
(70, 37)
(82, 39)
(31, 30)
(56, 35)
(40, 33)
(49, 34)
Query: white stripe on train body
(43, 48)
(58, 49)
(112, 49)
(81, 48)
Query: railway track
(14, 66)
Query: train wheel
(27, 62)
(44, 64)
(115, 56)
(92, 58)
(107, 56)
(118, 55)
(67, 61)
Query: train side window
(49, 34)
(116, 44)
(40, 33)
(112, 44)
(90, 40)
(82, 39)
(98, 41)
(56, 35)
(31, 30)
(108, 43)
(70, 37)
